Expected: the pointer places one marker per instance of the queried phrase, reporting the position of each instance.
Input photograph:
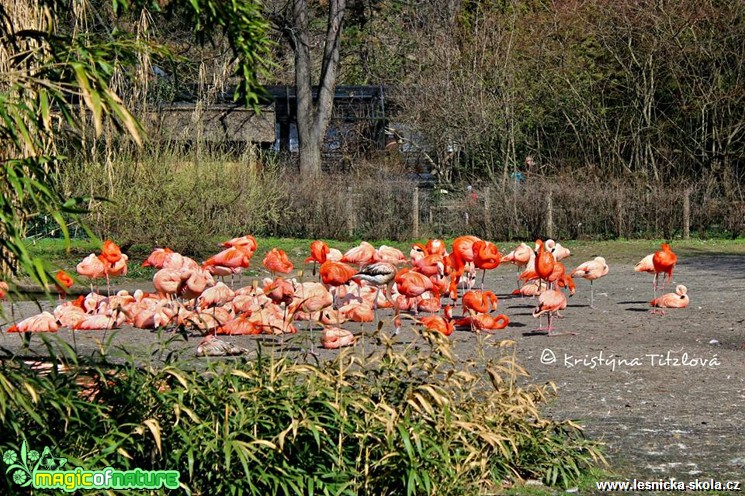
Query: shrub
(159, 199)
(391, 422)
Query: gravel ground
(666, 393)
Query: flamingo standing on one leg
(318, 253)
(594, 269)
(91, 267)
(486, 256)
(521, 257)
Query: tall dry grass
(166, 198)
(185, 198)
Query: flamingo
(358, 312)
(645, 264)
(418, 251)
(486, 256)
(167, 282)
(544, 261)
(484, 322)
(413, 284)
(363, 254)
(276, 260)
(248, 242)
(531, 289)
(664, 261)
(318, 253)
(678, 299)
(438, 324)
(479, 301)
(336, 337)
(110, 252)
(430, 305)
(378, 274)
(468, 279)
(551, 302)
(70, 313)
(391, 255)
(336, 273)
(196, 284)
(217, 295)
(520, 257)
(152, 318)
(594, 269)
(436, 247)
(63, 283)
(100, 322)
(559, 252)
(43, 322)
(212, 346)
(235, 257)
(240, 325)
(157, 258)
(91, 267)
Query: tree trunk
(313, 116)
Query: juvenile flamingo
(212, 346)
(378, 275)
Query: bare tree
(314, 114)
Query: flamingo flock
(345, 287)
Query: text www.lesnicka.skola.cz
(669, 485)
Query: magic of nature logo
(29, 468)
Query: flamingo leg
(551, 330)
(592, 296)
(375, 303)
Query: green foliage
(240, 21)
(52, 82)
(396, 421)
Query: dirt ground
(666, 393)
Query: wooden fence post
(550, 215)
(415, 212)
(351, 221)
(687, 214)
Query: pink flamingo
(550, 302)
(592, 270)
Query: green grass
(629, 251)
